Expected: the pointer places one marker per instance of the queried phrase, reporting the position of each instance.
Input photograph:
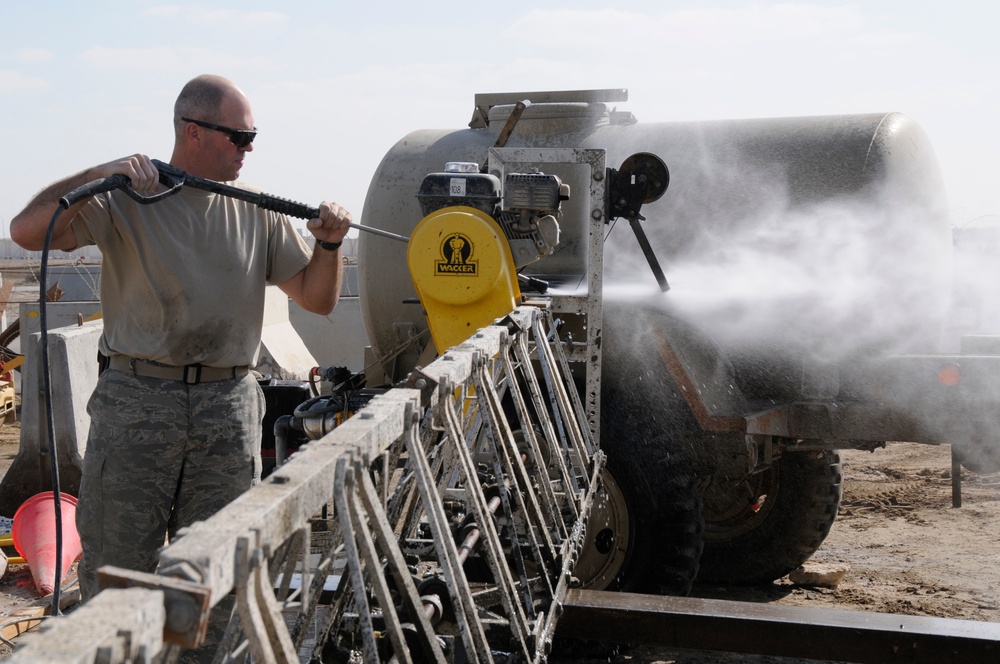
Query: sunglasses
(241, 138)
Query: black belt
(192, 374)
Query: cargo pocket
(90, 508)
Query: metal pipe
(956, 479)
(768, 629)
(282, 426)
(432, 609)
(173, 177)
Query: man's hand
(29, 227)
(332, 224)
(316, 288)
(138, 169)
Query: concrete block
(73, 376)
(337, 340)
(283, 354)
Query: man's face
(219, 159)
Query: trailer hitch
(642, 178)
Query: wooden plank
(20, 621)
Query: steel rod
(784, 631)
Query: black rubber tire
(652, 471)
(665, 541)
(803, 492)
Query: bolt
(420, 384)
(598, 175)
(597, 214)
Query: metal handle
(170, 175)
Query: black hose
(78, 194)
(47, 399)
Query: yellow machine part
(462, 268)
(8, 404)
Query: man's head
(212, 118)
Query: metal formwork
(442, 520)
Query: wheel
(645, 532)
(607, 537)
(767, 527)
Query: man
(176, 418)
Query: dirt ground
(17, 588)
(909, 551)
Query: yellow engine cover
(462, 268)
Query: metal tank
(799, 252)
(818, 237)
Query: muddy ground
(909, 551)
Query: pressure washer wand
(172, 177)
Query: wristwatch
(329, 246)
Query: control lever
(117, 181)
(647, 251)
(642, 178)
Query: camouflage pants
(161, 455)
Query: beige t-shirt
(182, 280)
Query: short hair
(200, 98)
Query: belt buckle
(197, 374)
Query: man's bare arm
(317, 287)
(28, 228)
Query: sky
(334, 85)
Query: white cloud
(618, 33)
(162, 10)
(230, 19)
(755, 60)
(34, 55)
(173, 59)
(15, 81)
(266, 18)
(337, 84)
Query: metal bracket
(186, 603)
